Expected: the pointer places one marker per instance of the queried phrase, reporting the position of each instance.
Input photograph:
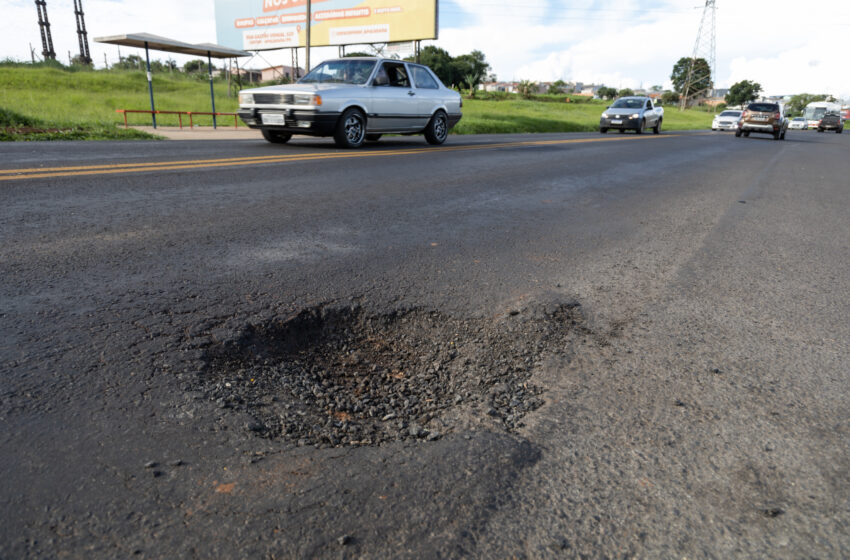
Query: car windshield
(815, 113)
(730, 114)
(799, 119)
(340, 72)
(763, 107)
(627, 104)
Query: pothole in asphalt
(332, 376)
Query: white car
(355, 99)
(727, 120)
(799, 123)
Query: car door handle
(411, 93)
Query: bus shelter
(149, 41)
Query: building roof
(156, 42)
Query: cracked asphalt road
(700, 411)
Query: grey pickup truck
(632, 113)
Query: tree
(347, 55)
(472, 66)
(700, 78)
(557, 87)
(194, 66)
(526, 88)
(131, 62)
(656, 89)
(625, 92)
(670, 97)
(743, 92)
(606, 92)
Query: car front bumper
(294, 121)
(625, 123)
(724, 126)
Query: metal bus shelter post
(150, 83)
(212, 93)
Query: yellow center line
(107, 169)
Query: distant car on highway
(354, 100)
(632, 113)
(799, 123)
(831, 121)
(763, 118)
(726, 120)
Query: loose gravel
(334, 376)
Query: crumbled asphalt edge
(333, 376)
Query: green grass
(86, 100)
(520, 115)
(51, 102)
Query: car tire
(737, 134)
(603, 131)
(747, 134)
(351, 129)
(438, 129)
(373, 137)
(820, 130)
(276, 136)
(839, 130)
(641, 126)
(657, 128)
(622, 131)
(782, 136)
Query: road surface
(521, 346)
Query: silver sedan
(354, 100)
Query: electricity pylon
(85, 57)
(44, 25)
(699, 80)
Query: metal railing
(179, 114)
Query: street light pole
(309, 20)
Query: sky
(786, 46)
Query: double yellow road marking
(108, 169)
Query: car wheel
(641, 127)
(782, 136)
(657, 128)
(737, 134)
(603, 130)
(373, 137)
(438, 128)
(351, 129)
(276, 136)
(839, 130)
(747, 134)
(820, 130)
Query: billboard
(254, 25)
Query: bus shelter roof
(158, 43)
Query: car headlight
(634, 115)
(245, 98)
(307, 99)
(604, 115)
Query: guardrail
(179, 114)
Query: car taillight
(777, 116)
(745, 115)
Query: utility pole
(44, 25)
(698, 82)
(85, 56)
(309, 21)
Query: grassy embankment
(43, 103)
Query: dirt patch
(338, 376)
